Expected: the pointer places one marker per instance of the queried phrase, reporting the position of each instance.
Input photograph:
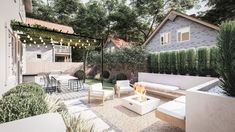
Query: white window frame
(163, 35)
(183, 30)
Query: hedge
(182, 65)
(201, 61)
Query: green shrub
(80, 74)
(191, 61)
(162, 62)
(153, 62)
(21, 105)
(167, 63)
(182, 62)
(213, 61)
(31, 88)
(149, 62)
(106, 74)
(173, 62)
(156, 66)
(226, 57)
(203, 60)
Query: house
(115, 43)
(181, 31)
(10, 45)
(48, 52)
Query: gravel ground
(129, 121)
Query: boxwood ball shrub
(80, 74)
(31, 88)
(21, 105)
(226, 57)
(121, 76)
(106, 74)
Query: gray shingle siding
(200, 36)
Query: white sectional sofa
(173, 112)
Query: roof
(172, 15)
(50, 25)
(119, 42)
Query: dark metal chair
(49, 85)
(75, 84)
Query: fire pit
(140, 103)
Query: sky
(201, 6)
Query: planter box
(209, 112)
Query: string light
(76, 44)
(73, 47)
(28, 36)
(82, 44)
(44, 43)
(30, 45)
(61, 40)
(18, 37)
(34, 42)
(46, 46)
(70, 40)
(31, 39)
(24, 41)
(51, 39)
(79, 40)
(87, 40)
(94, 40)
(89, 44)
(40, 38)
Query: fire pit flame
(141, 92)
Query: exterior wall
(46, 53)
(9, 10)
(200, 36)
(110, 47)
(209, 112)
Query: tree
(219, 11)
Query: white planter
(209, 112)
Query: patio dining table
(68, 81)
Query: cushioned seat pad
(180, 99)
(161, 87)
(173, 108)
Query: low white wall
(66, 67)
(51, 122)
(209, 112)
(184, 82)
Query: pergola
(41, 36)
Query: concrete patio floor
(120, 117)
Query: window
(165, 38)
(183, 34)
(39, 56)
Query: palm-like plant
(226, 57)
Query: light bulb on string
(73, 47)
(30, 45)
(95, 40)
(79, 40)
(82, 44)
(31, 39)
(28, 36)
(87, 40)
(51, 39)
(70, 40)
(18, 36)
(34, 42)
(24, 41)
(79, 47)
(44, 43)
(38, 45)
(40, 38)
(76, 44)
(46, 46)
(68, 44)
(89, 44)
(61, 40)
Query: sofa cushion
(127, 88)
(173, 108)
(161, 87)
(180, 99)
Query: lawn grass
(106, 85)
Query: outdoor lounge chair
(173, 112)
(96, 91)
(123, 86)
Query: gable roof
(119, 42)
(172, 15)
(50, 25)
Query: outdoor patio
(113, 115)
